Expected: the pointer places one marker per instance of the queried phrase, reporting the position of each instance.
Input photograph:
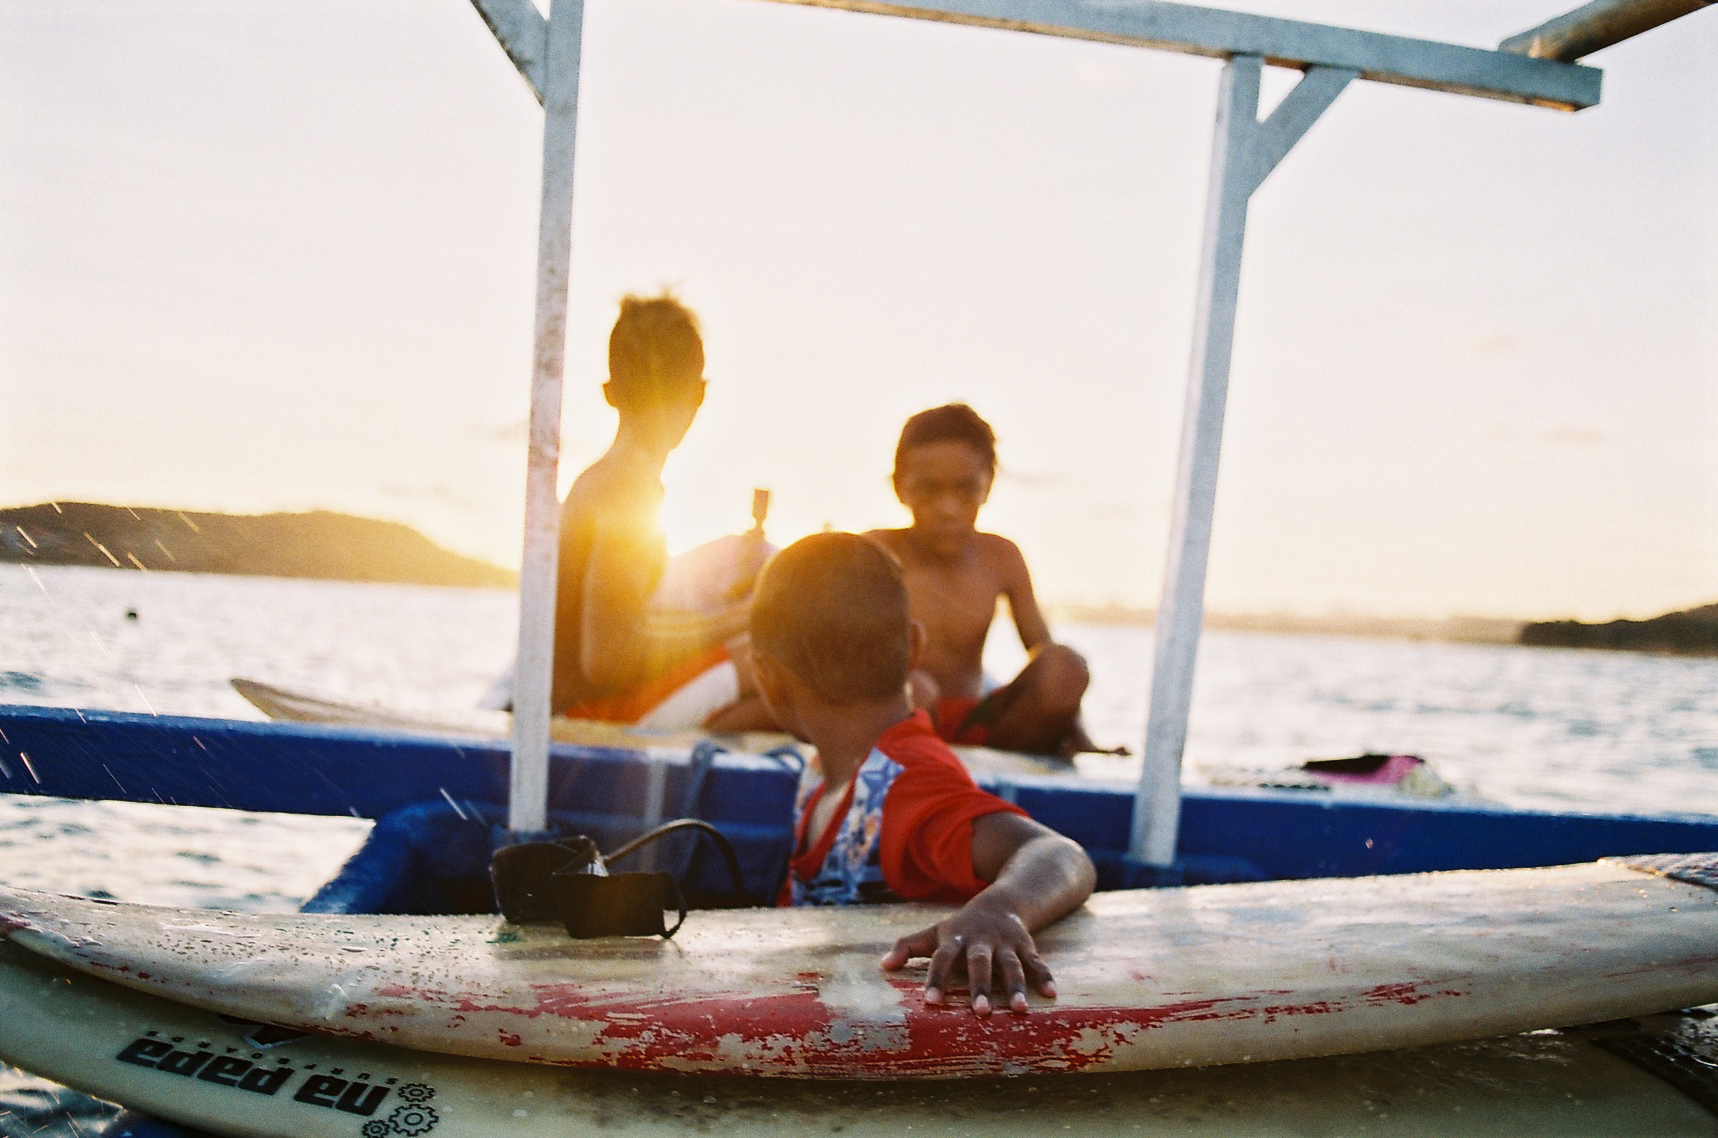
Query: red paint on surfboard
(798, 1030)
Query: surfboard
(227, 1076)
(298, 706)
(1146, 979)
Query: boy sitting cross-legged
(895, 816)
(944, 465)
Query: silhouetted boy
(618, 657)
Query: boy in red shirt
(895, 815)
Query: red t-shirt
(923, 839)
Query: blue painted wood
(308, 769)
(1226, 833)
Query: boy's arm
(618, 578)
(1034, 630)
(1022, 602)
(624, 644)
(1036, 877)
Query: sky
(265, 255)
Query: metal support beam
(1221, 34)
(1243, 155)
(523, 35)
(528, 791)
(1596, 26)
(1293, 117)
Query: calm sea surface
(1531, 727)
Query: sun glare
(693, 513)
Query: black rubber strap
(680, 902)
(723, 846)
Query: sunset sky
(279, 254)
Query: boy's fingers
(921, 943)
(1013, 979)
(978, 961)
(942, 964)
(1038, 973)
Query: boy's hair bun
(832, 608)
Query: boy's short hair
(654, 348)
(954, 422)
(832, 608)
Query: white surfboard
(1146, 979)
(237, 1078)
(296, 706)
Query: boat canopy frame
(1536, 67)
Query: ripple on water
(171, 855)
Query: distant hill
(1691, 632)
(319, 544)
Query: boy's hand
(987, 941)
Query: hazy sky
(279, 255)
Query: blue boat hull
(1227, 834)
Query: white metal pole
(1157, 803)
(1243, 154)
(528, 791)
(1596, 26)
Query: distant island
(320, 544)
(1691, 632)
(1460, 629)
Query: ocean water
(1531, 727)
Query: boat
(1372, 774)
(419, 788)
(408, 782)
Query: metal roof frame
(1535, 68)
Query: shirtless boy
(615, 658)
(944, 465)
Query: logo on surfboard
(333, 1089)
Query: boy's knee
(1063, 671)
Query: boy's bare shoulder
(999, 550)
(1004, 563)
